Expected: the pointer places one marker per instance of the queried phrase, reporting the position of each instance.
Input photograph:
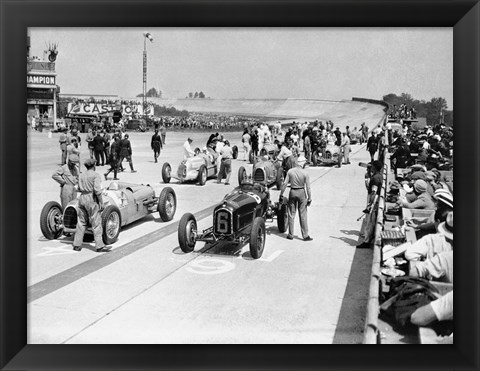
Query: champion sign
(40, 80)
(98, 108)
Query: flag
(148, 35)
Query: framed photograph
(234, 51)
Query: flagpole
(144, 99)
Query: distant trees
(432, 110)
(153, 93)
(195, 95)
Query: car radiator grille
(223, 222)
(259, 175)
(70, 218)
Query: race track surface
(147, 291)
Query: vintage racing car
(125, 203)
(330, 156)
(270, 149)
(199, 168)
(239, 218)
(265, 171)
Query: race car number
(222, 222)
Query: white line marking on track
(59, 250)
(272, 257)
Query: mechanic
(67, 180)
(187, 149)
(73, 156)
(345, 148)
(300, 197)
(63, 140)
(126, 152)
(374, 187)
(286, 155)
(156, 145)
(113, 158)
(226, 155)
(90, 206)
(99, 149)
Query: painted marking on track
(272, 257)
(59, 250)
(210, 266)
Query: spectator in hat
(423, 201)
(187, 149)
(438, 268)
(300, 197)
(90, 206)
(126, 153)
(431, 244)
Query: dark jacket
(125, 148)
(98, 143)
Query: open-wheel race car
(124, 203)
(329, 156)
(239, 218)
(270, 149)
(265, 171)
(197, 168)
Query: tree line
(431, 110)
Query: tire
(202, 175)
(263, 152)
(235, 152)
(186, 227)
(315, 158)
(328, 155)
(257, 237)
(251, 156)
(242, 175)
(51, 220)
(279, 180)
(340, 159)
(282, 218)
(167, 204)
(111, 224)
(166, 172)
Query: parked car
(125, 203)
(238, 218)
(197, 168)
(270, 149)
(330, 156)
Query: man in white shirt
(187, 150)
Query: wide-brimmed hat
(446, 227)
(420, 186)
(444, 196)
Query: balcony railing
(40, 66)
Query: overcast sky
(317, 63)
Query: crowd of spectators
(403, 112)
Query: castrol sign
(99, 108)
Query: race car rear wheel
(111, 224)
(202, 175)
(257, 237)
(187, 230)
(282, 217)
(279, 180)
(315, 158)
(251, 156)
(51, 220)
(235, 152)
(242, 175)
(166, 172)
(167, 204)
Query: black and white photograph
(234, 185)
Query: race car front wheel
(187, 232)
(111, 223)
(51, 220)
(202, 175)
(282, 217)
(279, 180)
(166, 172)
(251, 156)
(167, 204)
(257, 237)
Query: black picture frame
(16, 16)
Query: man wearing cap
(156, 145)
(90, 206)
(65, 176)
(374, 188)
(300, 197)
(423, 201)
(187, 149)
(226, 155)
(431, 244)
(126, 153)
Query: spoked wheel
(235, 152)
(111, 223)
(251, 156)
(167, 204)
(187, 232)
(242, 175)
(257, 237)
(282, 217)
(51, 220)
(166, 172)
(202, 175)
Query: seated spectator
(423, 201)
(431, 244)
(439, 267)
